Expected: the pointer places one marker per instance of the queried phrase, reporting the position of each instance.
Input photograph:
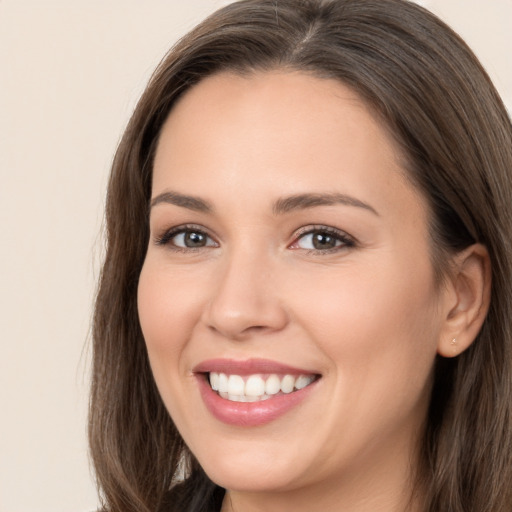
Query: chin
(251, 481)
(252, 476)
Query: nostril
(241, 333)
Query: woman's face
(289, 263)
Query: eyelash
(166, 238)
(345, 240)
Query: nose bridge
(245, 299)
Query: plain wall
(70, 74)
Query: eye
(322, 239)
(183, 238)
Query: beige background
(70, 74)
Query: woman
(296, 309)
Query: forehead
(283, 131)
(272, 100)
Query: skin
(367, 315)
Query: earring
(454, 341)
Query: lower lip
(250, 414)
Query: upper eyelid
(185, 227)
(345, 238)
(305, 230)
(169, 233)
(302, 231)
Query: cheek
(168, 311)
(356, 299)
(379, 327)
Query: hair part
(432, 94)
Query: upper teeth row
(256, 385)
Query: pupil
(193, 239)
(323, 241)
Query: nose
(245, 300)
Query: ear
(467, 298)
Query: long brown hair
(456, 138)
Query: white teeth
(273, 385)
(223, 383)
(303, 381)
(236, 385)
(255, 387)
(287, 384)
(214, 381)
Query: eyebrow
(304, 201)
(184, 201)
(280, 207)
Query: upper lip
(248, 367)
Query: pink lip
(249, 414)
(248, 367)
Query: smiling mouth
(257, 387)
